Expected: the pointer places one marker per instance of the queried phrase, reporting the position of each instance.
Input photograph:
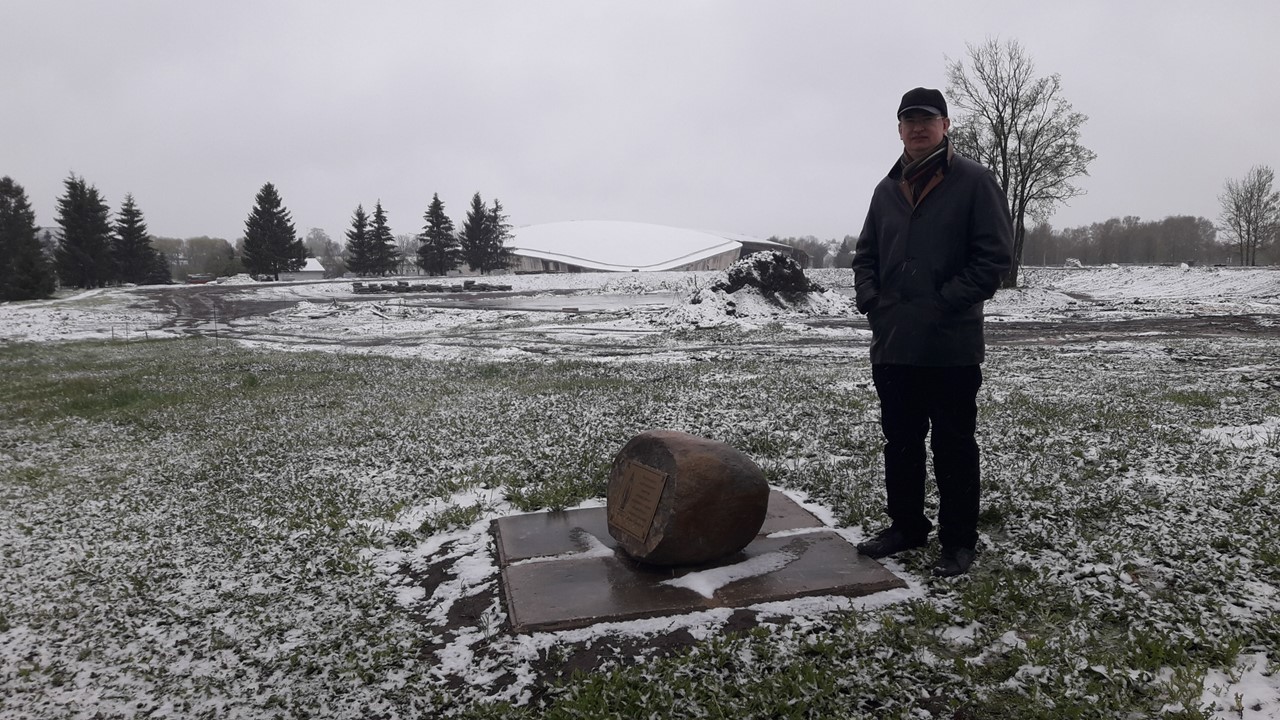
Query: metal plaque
(641, 492)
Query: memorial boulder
(679, 499)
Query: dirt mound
(770, 271)
(760, 288)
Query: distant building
(313, 270)
(609, 246)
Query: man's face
(921, 132)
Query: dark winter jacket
(922, 273)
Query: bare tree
(817, 251)
(406, 255)
(327, 251)
(1250, 212)
(320, 245)
(1021, 127)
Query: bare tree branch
(1251, 212)
(1020, 127)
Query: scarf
(916, 174)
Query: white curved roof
(625, 246)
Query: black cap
(926, 99)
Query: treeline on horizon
(90, 250)
(1129, 240)
(370, 248)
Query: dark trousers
(941, 402)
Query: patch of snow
(594, 549)
(749, 307)
(1020, 300)
(1266, 433)
(706, 582)
(962, 635)
(240, 279)
(1248, 691)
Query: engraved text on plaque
(641, 492)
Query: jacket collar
(902, 162)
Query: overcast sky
(762, 118)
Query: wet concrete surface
(562, 570)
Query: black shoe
(891, 541)
(954, 561)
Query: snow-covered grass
(191, 528)
(324, 307)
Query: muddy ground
(194, 309)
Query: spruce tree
(360, 256)
(497, 255)
(844, 257)
(83, 257)
(131, 248)
(474, 238)
(25, 272)
(271, 245)
(438, 252)
(158, 272)
(382, 243)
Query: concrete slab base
(563, 570)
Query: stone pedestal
(678, 499)
(560, 569)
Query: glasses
(919, 121)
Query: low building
(313, 270)
(611, 246)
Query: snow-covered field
(329, 312)
(214, 528)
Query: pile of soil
(770, 272)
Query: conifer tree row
(484, 236)
(83, 257)
(371, 248)
(25, 273)
(91, 252)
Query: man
(935, 244)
